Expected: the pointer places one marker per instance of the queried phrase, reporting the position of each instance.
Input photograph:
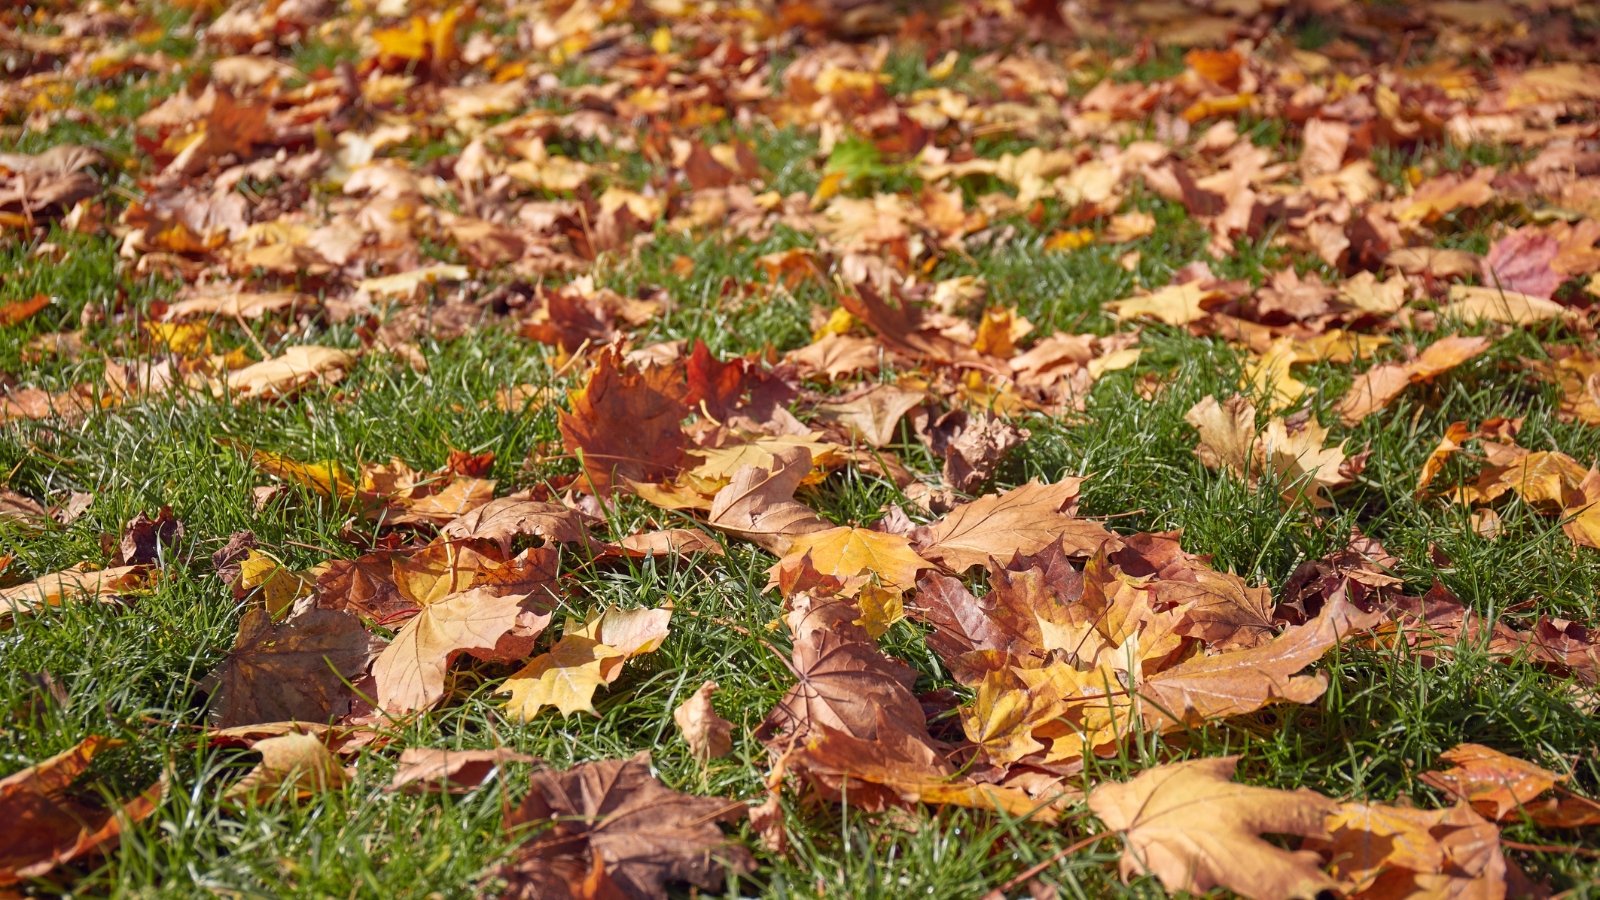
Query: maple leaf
(566, 678)
(283, 376)
(507, 518)
(1176, 304)
(299, 670)
(615, 817)
(707, 734)
(144, 539)
(856, 556)
(102, 585)
(1377, 387)
(758, 503)
(1242, 681)
(1023, 520)
(872, 414)
(44, 824)
(845, 683)
(629, 632)
(1195, 829)
(1401, 851)
(670, 541)
(1295, 454)
(1501, 787)
(410, 672)
(437, 770)
(624, 423)
(298, 765)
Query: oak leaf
(1195, 829)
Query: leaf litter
(312, 239)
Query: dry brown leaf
(758, 504)
(508, 518)
(437, 770)
(282, 376)
(624, 423)
(102, 585)
(299, 670)
(44, 824)
(707, 734)
(1377, 387)
(298, 765)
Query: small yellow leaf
(565, 678)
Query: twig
(1023, 877)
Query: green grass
(133, 672)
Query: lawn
(488, 378)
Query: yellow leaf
(565, 678)
(879, 610)
(857, 555)
(280, 586)
(324, 477)
(182, 338)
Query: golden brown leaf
(1193, 827)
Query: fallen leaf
(297, 765)
(1377, 387)
(1023, 520)
(566, 678)
(56, 588)
(856, 556)
(707, 734)
(615, 817)
(410, 672)
(1195, 829)
(508, 518)
(758, 503)
(624, 424)
(422, 770)
(44, 824)
(299, 670)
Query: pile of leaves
(977, 641)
